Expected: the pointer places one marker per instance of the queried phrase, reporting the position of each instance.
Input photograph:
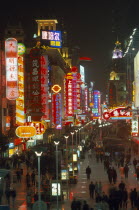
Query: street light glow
(38, 153)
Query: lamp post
(76, 137)
(72, 133)
(66, 137)
(39, 177)
(56, 142)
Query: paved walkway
(79, 190)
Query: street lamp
(66, 137)
(80, 135)
(76, 137)
(39, 177)
(56, 142)
(72, 133)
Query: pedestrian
(89, 153)
(13, 195)
(28, 180)
(88, 172)
(105, 197)
(137, 172)
(18, 174)
(100, 187)
(135, 163)
(125, 198)
(7, 194)
(33, 178)
(121, 185)
(109, 172)
(126, 169)
(114, 175)
(91, 190)
(133, 197)
(36, 196)
(134, 194)
(96, 188)
(85, 206)
(74, 204)
(28, 199)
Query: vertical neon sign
(69, 94)
(20, 112)
(86, 98)
(79, 92)
(44, 86)
(56, 107)
(11, 56)
(96, 109)
(35, 87)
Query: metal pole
(57, 172)
(39, 184)
(72, 156)
(76, 139)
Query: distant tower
(117, 52)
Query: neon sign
(11, 56)
(35, 87)
(20, 112)
(96, 104)
(53, 36)
(21, 48)
(56, 88)
(56, 110)
(44, 86)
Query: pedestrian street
(81, 189)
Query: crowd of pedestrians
(118, 197)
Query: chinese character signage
(39, 126)
(118, 114)
(53, 36)
(35, 87)
(86, 98)
(11, 56)
(96, 108)
(69, 94)
(44, 86)
(78, 90)
(56, 110)
(134, 131)
(20, 111)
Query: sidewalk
(79, 190)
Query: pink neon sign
(11, 56)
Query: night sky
(88, 26)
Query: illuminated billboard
(35, 77)
(25, 131)
(136, 79)
(96, 107)
(20, 109)
(44, 86)
(11, 58)
(69, 94)
(54, 38)
(119, 113)
(82, 73)
(56, 110)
